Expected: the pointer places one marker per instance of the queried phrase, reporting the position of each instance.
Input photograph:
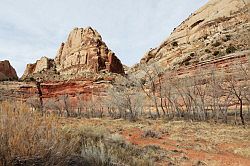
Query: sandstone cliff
(83, 52)
(40, 68)
(219, 28)
(7, 72)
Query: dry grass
(25, 133)
(245, 152)
(28, 137)
(213, 133)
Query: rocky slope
(82, 54)
(219, 28)
(7, 72)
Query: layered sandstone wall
(219, 28)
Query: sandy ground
(183, 143)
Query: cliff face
(7, 72)
(219, 28)
(83, 65)
(53, 90)
(83, 52)
(40, 68)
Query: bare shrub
(152, 134)
(54, 105)
(34, 103)
(66, 104)
(238, 84)
(151, 83)
(125, 98)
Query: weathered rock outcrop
(7, 72)
(83, 51)
(219, 28)
(83, 65)
(43, 65)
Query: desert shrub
(230, 49)
(53, 105)
(34, 102)
(151, 134)
(25, 133)
(207, 50)
(28, 138)
(216, 53)
(216, 44)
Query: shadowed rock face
(83, 52)
(219, 28)
(7, 72)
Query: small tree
(34, 103)
(66, 104)
(80, 104)
(238, 84)
(125, 97)
(54, 105)
(151, 83)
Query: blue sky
(30, 29)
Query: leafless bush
(148, 83)
(208, 93)
(152, 134)
(124, 99)
(34, 103)
(53, 105)
(90, 107)
(66, 104)
(238, 84)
